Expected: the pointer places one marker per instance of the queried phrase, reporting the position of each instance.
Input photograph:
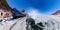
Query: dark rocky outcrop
(17, 14)
(32, 26)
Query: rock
(56, 13)
(18, 14)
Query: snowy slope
(53, 22)
(50, 22)
(17, 24)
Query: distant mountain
(57, 12)
(6, 11)
(17, 14)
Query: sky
(36, 6)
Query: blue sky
(38, 6)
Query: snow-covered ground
(52, 23)
(17, 24)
